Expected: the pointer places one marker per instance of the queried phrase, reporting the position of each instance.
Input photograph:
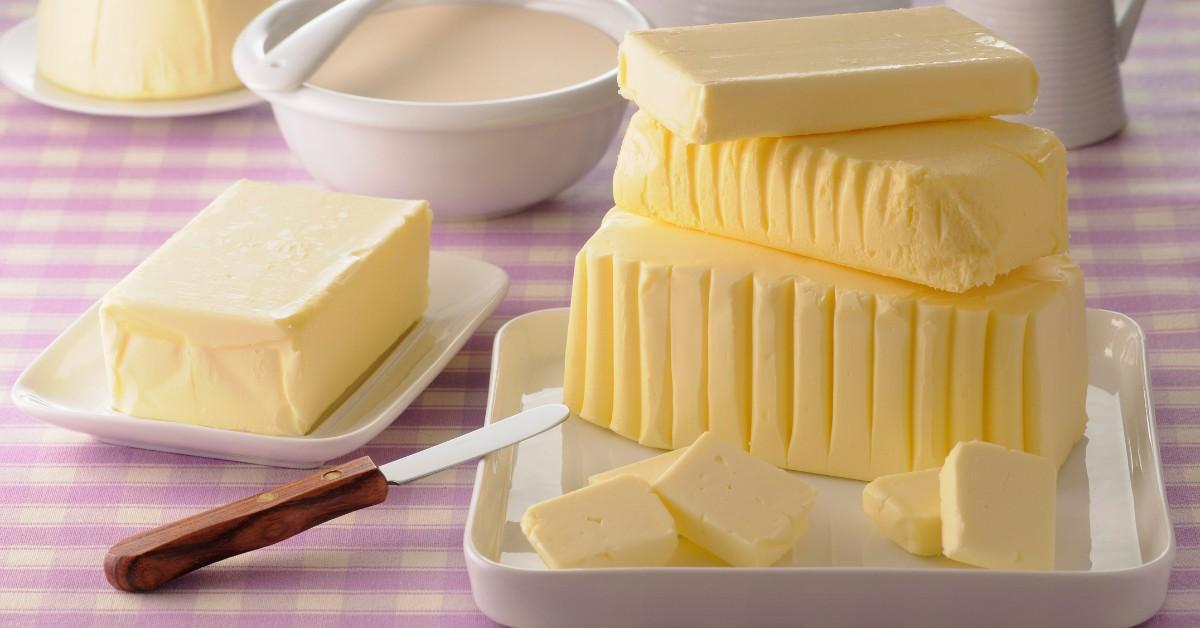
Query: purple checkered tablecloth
(83, 199)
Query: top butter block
(823, 74)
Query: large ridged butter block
(823, 74)
(142, 49)
(813, 366)
(265, 308)
(951, 205)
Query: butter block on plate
(741, 509)
(814, 366)
(648, 469)
(998, 507)
(823, 74)
(139, 49)
(906, 508)
(618, 523)
(265, 308)
(951, 205)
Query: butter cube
(906, 508)
(741, 509)
(265, 308)
(950, 205)
(648, 469)
(998, 507)
(618, 523)
(822, 74)
(813, 366)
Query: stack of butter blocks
(826, 250)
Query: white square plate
(66, 384)
(1115, 543)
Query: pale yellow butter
(813, 366)
(998, 507)
(951, 205)
(141, 49)
(618, 523)
(905, 507)
(823, 74)
(648, 469)
(265, 308)
(741, 509)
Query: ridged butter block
(814, 366)
(951, 205)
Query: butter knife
(147, 560)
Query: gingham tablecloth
(82, 200)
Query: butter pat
(814, 366)
(741, 509)
(823, 74)
(998, 507)
(139, 49)
(951, 205)
(618, 523)
(265, 308)
(905, 507)
(648, 469)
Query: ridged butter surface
(951, 205)
(814, 366)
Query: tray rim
(26, 399)
(480, 566)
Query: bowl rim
(573, 99)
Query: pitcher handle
(1127, 21)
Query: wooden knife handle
(146, 561)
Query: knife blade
(147, 560)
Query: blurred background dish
(472, 154)
(686, 13)
(138, 50)
(18, 71)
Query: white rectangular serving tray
(1115, 541)
(66, 385)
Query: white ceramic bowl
(468, 159)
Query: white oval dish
(18, 72)
(66, 384)
(469, 159)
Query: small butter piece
(906, 509)
(823, 74)
(265, 308)
(743, 510)
(139, 49)
(951, 205)
(997, 507)
(618, 523)
(648, 469)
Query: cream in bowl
(465, 52)
(483, 107)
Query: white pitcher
(1076, 46)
